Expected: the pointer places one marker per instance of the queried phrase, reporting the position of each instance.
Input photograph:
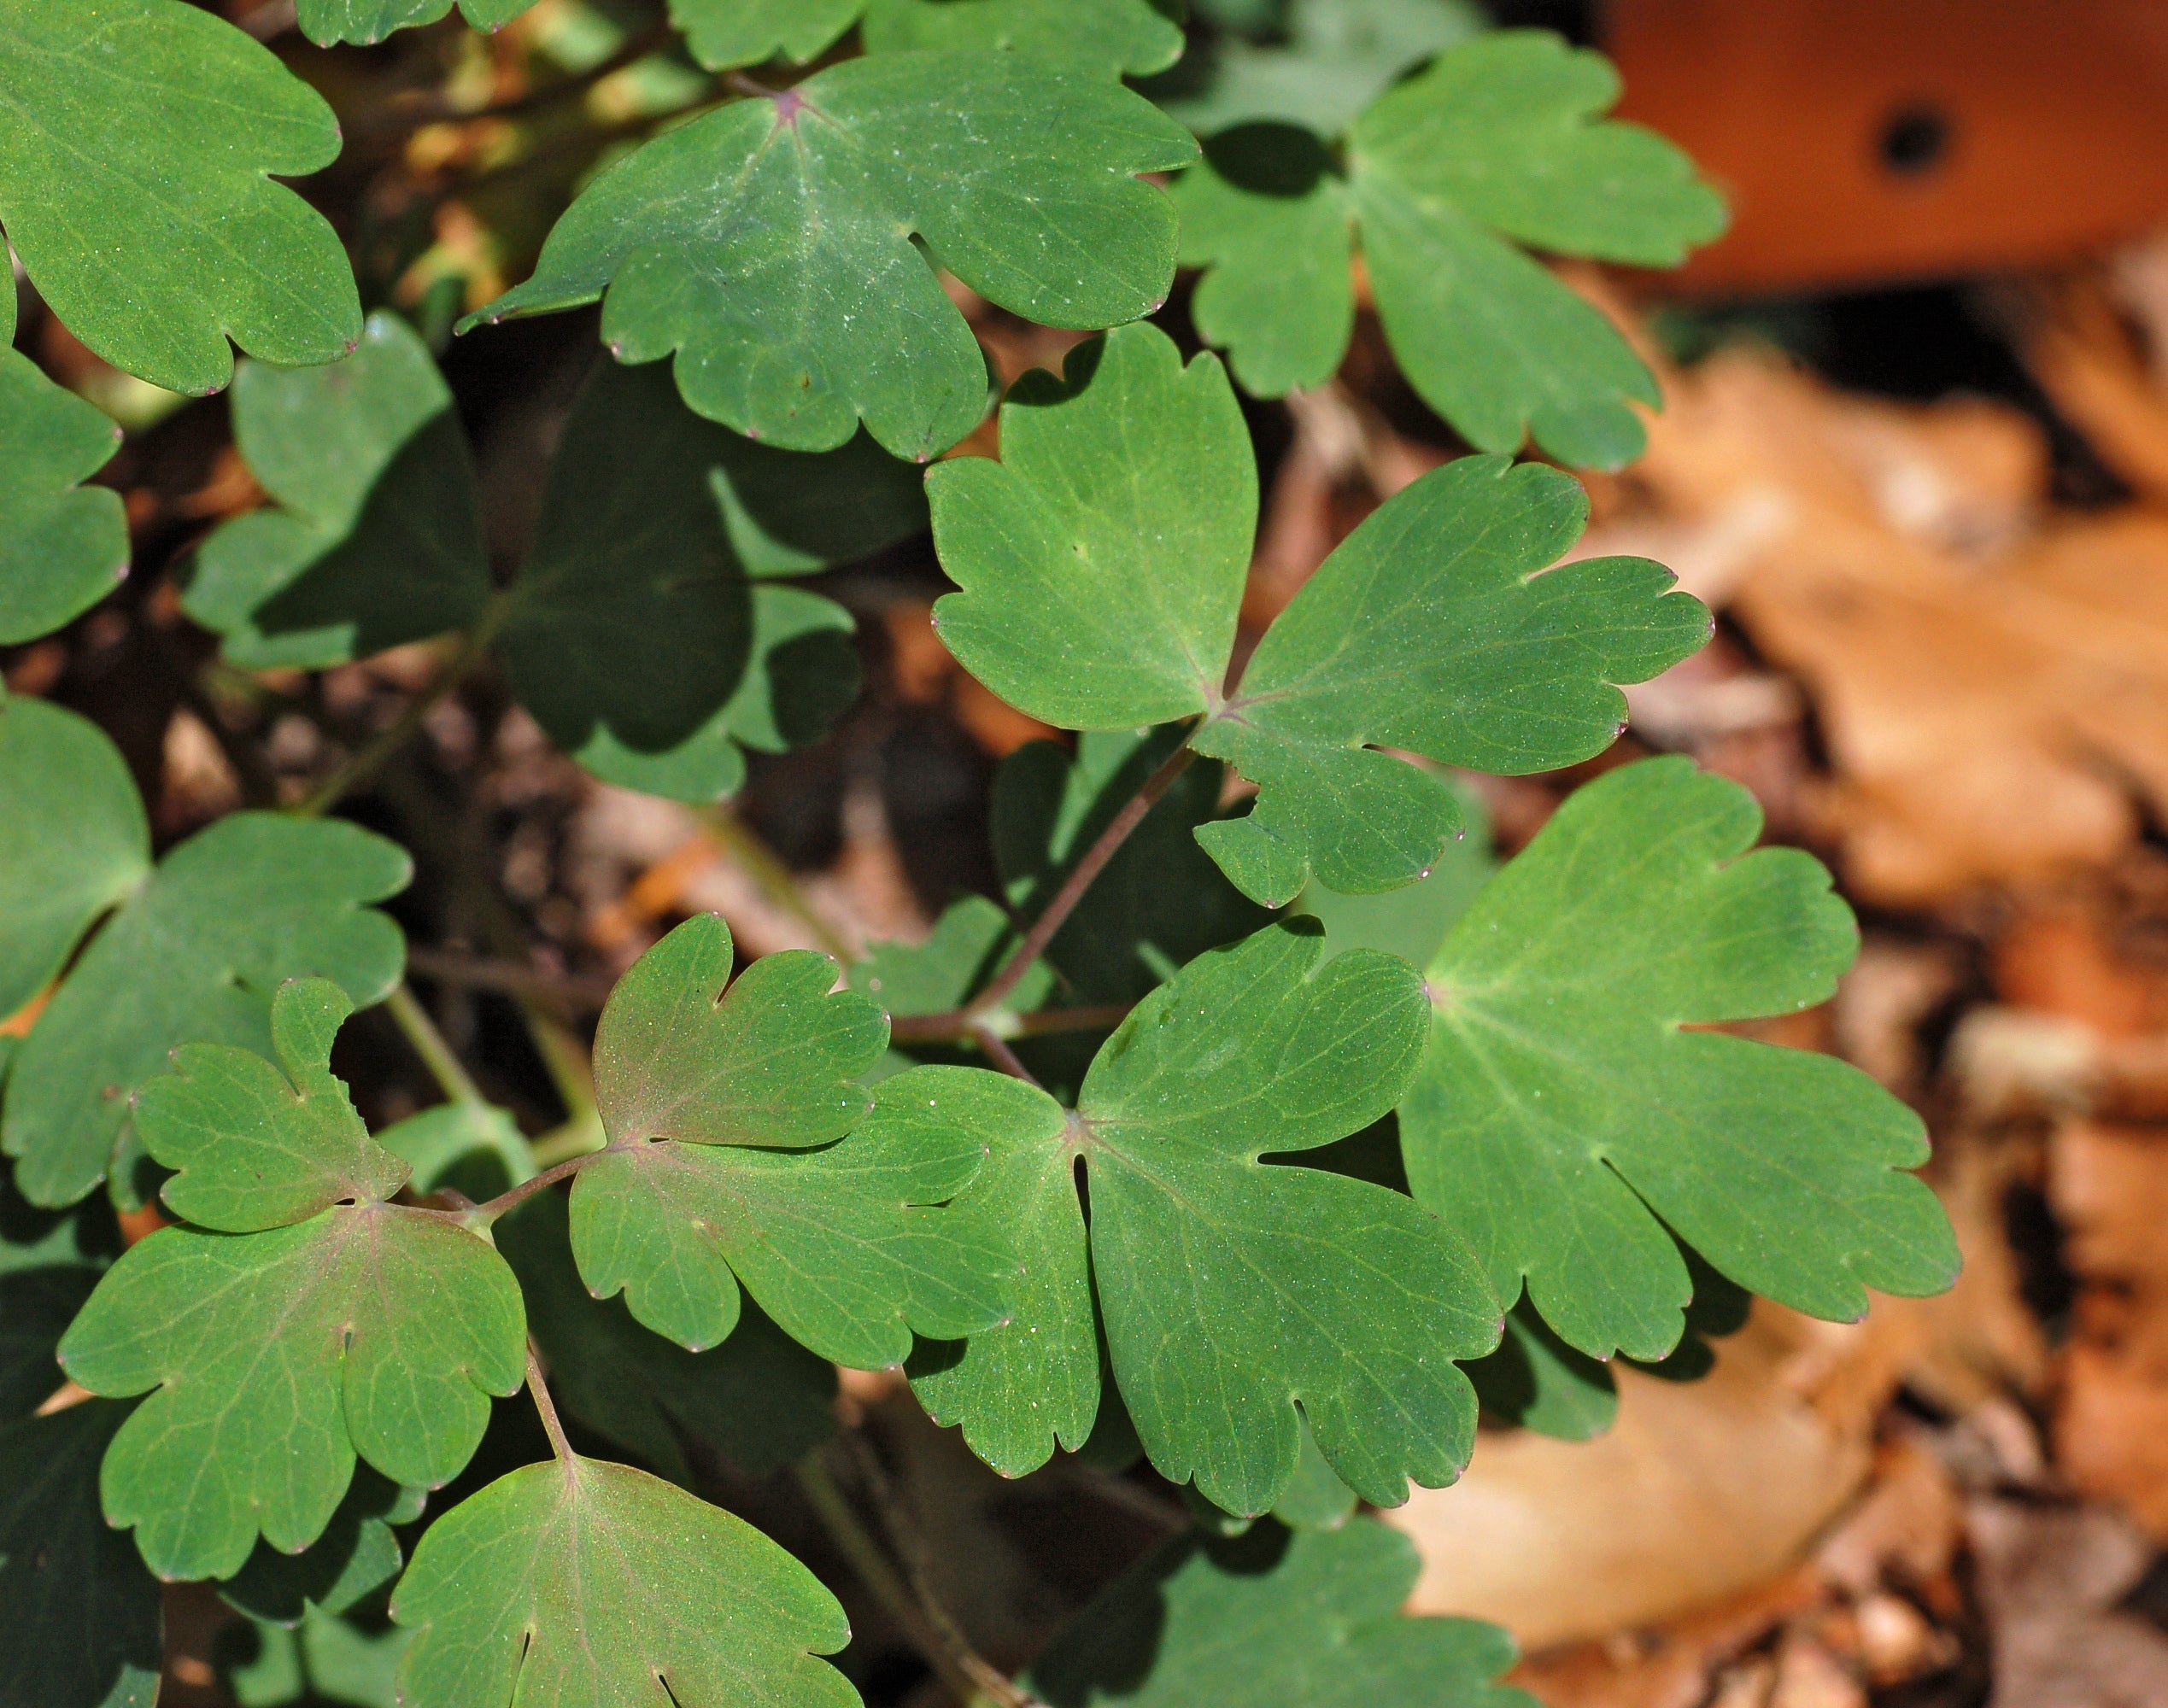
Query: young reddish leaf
(137, 143)
(1565, 1116)
(576, 1581)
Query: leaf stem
(568, 991)
(373, 756)
(543, 1404)
(951, 1026)
(1001, 1055)
(421, 1032)
(1079, 880)
(771, 877)
(506, 1202)
(966, 1674)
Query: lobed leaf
(1569, 1111)
(1108, 37)
(1306, 1620)
(366, 21)
(357, 1554)
(1500, 142)
(1232, 1292)
(323, 1658)
(760, 1400)
(376, 538)
(635, 635)
(138, 138)
(770, 244)
(1102, 566)
(579, 1581)
(726, 1112)
(63, 546)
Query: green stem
(387, 744)
(436, 1054)
(771, 877)
(540, 1390)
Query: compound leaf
(1102, 559)
(726, 1112)
(255, 1147)
(73, 840)
(63, 546)
(583, 1582)
(1564, 1106)
(635, 637)
(357, 1554)
(1434, 628)
(364, 21)
(277, 1357)
(1102, 566)
(1232, 1290)
(137, 141)
(194, 955)
(760, 1400)
(769, 243)
(79, 1618)
(1308, 1619)
(376, 538)
(1413, 921)
(1500, 142)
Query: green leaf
(473, 1147)
(1565, 1116)
(1112, 37)
(1102, 559)
(357, 1554)
(364, 21)
(724, 33)
(194, 955)
(1315, 1498)
(1500, 142)
(769, 243)
(581, 1582)
(63, 546)
(278, 1357)
(760, 1399)
(1102, 566)
(80, 1620)
(972, 939)
(635, 637)
(1412, 922)
(1335, 57)
(1536, 1381)
(1306, 1620)
(73, 840)
(726, 1113)
(377, 540)
(136, 144)
(1232, 1292)
(1158, 903)
(1433, 629)
(257, 1148)
(323, 1660)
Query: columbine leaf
(971, 941)
(475, 1148)
(324, 1659)
(1501, 141)
(1563, 1106)
(73, 840)
(1102, 567)
(255, 1147)
(769, 245)
(1328, 60)
(1307, 1620)
(760, 1399)
(1158, 903)
(1112, 37)
(581, 1581)
(377, 540)
(635, 637)
(279, 1355)
(136, 146)
(1412, 922)
(1232, 1290)
(1102, 559)
(63, 546)
(726, 1112)
(358, 1552)
(724, 33)
(327, 21)
(194, 955)
(80, 1618)
(1536, 1381)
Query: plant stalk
(421, 1032)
